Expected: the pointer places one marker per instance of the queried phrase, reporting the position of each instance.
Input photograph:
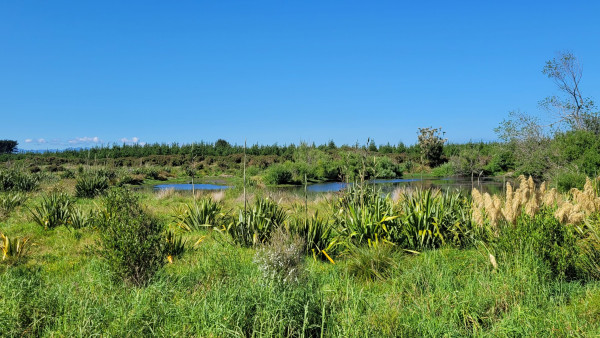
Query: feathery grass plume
(551, 198)
(581, 205)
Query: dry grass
(165, 193)
(571, 208)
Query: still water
(387, 186)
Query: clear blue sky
(81, 73)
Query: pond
(490, 185)
(186, 186)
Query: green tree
(431, 145)
(8, 146)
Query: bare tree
(572, 108)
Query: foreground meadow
(81, 258)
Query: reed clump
(526, 199)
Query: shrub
(53, 211)
(79, 219)
(317, 234)
(567, 180)
(278, 174)
(431, 218)
(67, 174)
(281, 259)
(131, 240)
(200, 215)
(444, 170)
(554, 243)
(18, 180)
(256, 225)
(91, 185)
(363, 215)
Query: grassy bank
(415, 263)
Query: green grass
(63, 288)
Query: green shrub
(362, 215)
(444, 170)
(555, 244)
(317, 233)
(54, 210)
(203, 214)
(431, 218)
(91, 185)
(79, 218)
(278, 174)
(131, 240)
(13, 249)
(67, 174)
(567, 180)
(18, 180)
(256, 225)
(385, 168)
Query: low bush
(131, 240)
(567, 180)
(278, 174)
(317, 233)
(91, 185)
(18, 180)
(9, 201)
(203, 214)
(282, 258)
(256, 225)
(53, 211)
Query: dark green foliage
(567, 180)
(131, 240)
(555, 244)
(431, 218)
(278, 174)
(8, 146)
(175, 245)
(17, 180)
(9, 201)
(386, 168)
(90, 185)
